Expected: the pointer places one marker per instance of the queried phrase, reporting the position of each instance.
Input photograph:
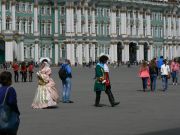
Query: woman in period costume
(46, 95)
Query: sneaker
(70, 101)
(173, 83)
(176, 83)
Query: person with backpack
(153, 71)
(65, 74)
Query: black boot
(98, 96)
(111, 98)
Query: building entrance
(2, 51)
(132, 52)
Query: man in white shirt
(165, 73)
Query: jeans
(66, 89)
(144, 82)
(164, 82)
(174, 76)
(16, 76)
(153, 82)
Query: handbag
(9, 120)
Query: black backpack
(62, 73)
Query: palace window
(24, 26)
(108, 12)
(62, 10)
(30, 27)
(75, 29)
(25, 55)
(23, 7)
(102, 13)
(29, 7)
(108, 29)
(49, 29)
(42, 10)
(117, 29)
(8, 24)
(89, 28)
(7, 6)
(30, 52)
(17, 25)
(102, 29)
(89, 12)
(43, 29)
(17, 7)
(63, 29)
(48, 10)
(96, 29)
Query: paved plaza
(139, 113)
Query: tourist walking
(15, 67)
(66, 81)
(100, 82)
(165, 74)
(46, 95)
(108, 86)
(159, 64)
(153, 71)
(30, 69)
(144, 74)
(175, 67)
(8, 98)
(23, 72)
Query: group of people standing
(23, 69)
(150, 72)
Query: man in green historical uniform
(100, 82)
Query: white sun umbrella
(45, 58)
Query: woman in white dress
(46, 95)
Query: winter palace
(82, 30)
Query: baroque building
(81, 30)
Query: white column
(56, 20)
(134, 25)
(123, 22)
(79, 21)
(140, 30)
(178, 27)
(93, 52)
(13, 16)
(36, 18)
(126, 52)
(86, 19)
(123, 55)
(178, 50)
(113, 22)
(115, 52)
(3, 14)
(128, 25)
(68, 51)
(169, 26)
(111, 53)
(21, 50)
(36, 51)
(9, 51)
(165, 30)
(56, 53)
(165, 51)
(87, 53)
(79, 49)
(150, 53)
(174, 24)
(93, 23)
(148, 18)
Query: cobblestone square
(139, 113)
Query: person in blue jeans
(67, 82)
(165, 71)
(153, 71)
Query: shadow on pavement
(175, 131)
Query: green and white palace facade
(82, 30)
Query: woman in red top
(30, 69)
